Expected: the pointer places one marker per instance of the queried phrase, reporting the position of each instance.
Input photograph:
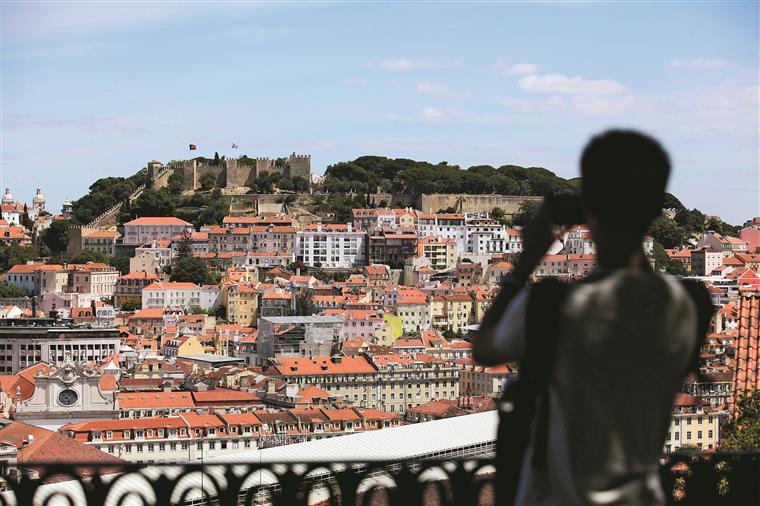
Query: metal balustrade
(451, 479)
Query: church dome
(8, 198)
(39, 198)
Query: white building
(692, 426)
(145, 229)
(334, 246)
(485, 235)
(165, 293)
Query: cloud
(603, 106)
(522, 69)
(406, 64)
(441, 89)
(87, 124)
(354, 81)
(518, 69)
(559, 83)
(432, 114)
(707, 63)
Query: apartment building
(391, 382)
(164, 293)
(392, 246)
(692, 426)
(132, 285)
(97, 279)
(440, 251)
(102, 241)
(412, 306)
(37, 279)
(298, 336)
(24, 342)
(191, 437)
(146, 229)
(479, 380)
(332, 246)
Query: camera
(565, 209)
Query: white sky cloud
(519, 69)
(441, 89)
(522, 69)
(707, 63)
(406, 64)
(559, 83)
(354, 81)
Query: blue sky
(96, 89)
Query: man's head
(624, 177)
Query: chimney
(270, 386)
(349, 225)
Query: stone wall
(510, 204)
(232, 175)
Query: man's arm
(537, 237)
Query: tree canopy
(56, 237)
(368, 173)
(13, 254)
(7, 290)
(743, 432)
(187, 267)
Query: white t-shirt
(624, 345)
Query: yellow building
(391, 329)
(183, 345)
(453, 312)
(242, 303)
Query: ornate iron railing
(687, 479)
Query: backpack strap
(543, 317)
(705, 310)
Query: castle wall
(219, 172)
(510, 204)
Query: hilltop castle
(234, 175)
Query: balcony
(730, 479)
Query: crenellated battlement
(230, 174)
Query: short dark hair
(624, 177)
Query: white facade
(331, 246)
(162, 294)
(142, 230)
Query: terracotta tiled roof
(225, 396)
(158, 220)
(49, 446)
(747, 372)
(169, 285)
(323, 365)
(155, 400)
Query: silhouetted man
(625, 338)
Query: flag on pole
(193, 147)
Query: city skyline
(92, 90)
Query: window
(699, 434)
(139, 447)
(710, 434)
(688, 434)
